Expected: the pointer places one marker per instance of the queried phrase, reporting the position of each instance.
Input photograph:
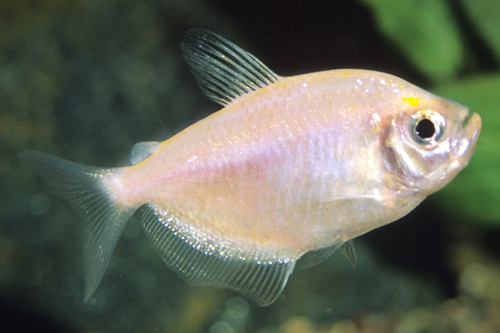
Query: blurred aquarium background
(86, 79)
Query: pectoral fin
(350, 252)
(316, 257)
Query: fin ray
(316, 257)
(223, 70)
(257, 276)
(81, 186)
(350, 252)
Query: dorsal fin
(259, 276)
(223, 70)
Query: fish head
(427, 141)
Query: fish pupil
(425, 129)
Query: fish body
(290, 165)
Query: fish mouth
(467, 141)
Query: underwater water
(86, 80)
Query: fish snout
(467, 140)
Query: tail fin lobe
(82, 187)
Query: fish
(290, 168)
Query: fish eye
(426, 127)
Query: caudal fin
(82, 187)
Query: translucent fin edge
(223, 70)
(257, 275)
(82, 187)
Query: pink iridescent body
(293, 167)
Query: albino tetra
(290, 165)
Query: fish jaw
(466, 142)
(462, 149)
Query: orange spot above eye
(413, 101)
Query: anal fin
(203, 261)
